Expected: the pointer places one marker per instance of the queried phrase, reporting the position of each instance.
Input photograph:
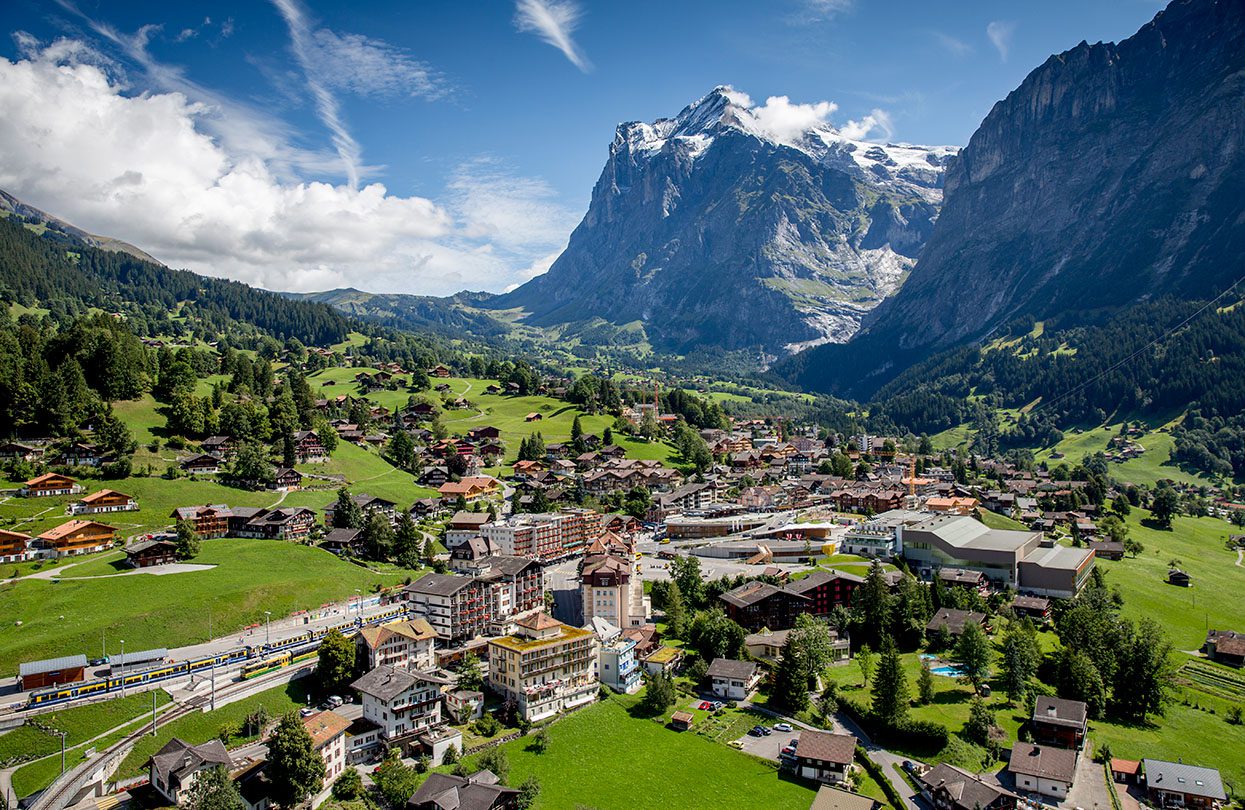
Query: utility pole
(153, 712)
(268, 627)
(122, 667)
(213, 685)
(62, 753)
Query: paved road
(768, 747)
(1089, 788)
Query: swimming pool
(947, 671)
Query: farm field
(679, 769)
(249, 577)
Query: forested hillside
(55, 273)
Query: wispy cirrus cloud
(1000, 33)
(367, 66)
(952, 45)
(554, 21)
(327, 108)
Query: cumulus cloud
(874, 126)
(141, 167)
(554, 21)
(1000, 34)
(786, 122)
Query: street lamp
(62, 733)
(268, 627)
(358, 602)
(122, 667)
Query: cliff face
(707, 231)
(1114, 173)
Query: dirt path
(279, 501)
(1240, 555)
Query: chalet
(955, 621)
(482, 790)
(434, 476)
(284, 523)
(947, 787)
(14, 546)
(222, 446)
(491, 388)
(77, 537)
(1180, 578)
(964, 578)
(760, 604)
(471, 488)
(1042, 769)
(1174, 784)
(146, 553)
(1107, 549)
(1035, 607)
(368, 505)
(106, 500)
(1226, 647)
(1059, 722)
(308, 448)
(49, 484)
(209, 521)
(733, 680)
(202, 464)
(82, 454)
(339, 541)
(403, 645)
(825, 757)
(287, 479)
(440, 371)
(175, 767)
(17, 450)
(533, 417)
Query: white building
(328, 737)
(402, 645)
(545, 667)
(612, 591)
(399, 701)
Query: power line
(1166, 334)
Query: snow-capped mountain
(741, 226)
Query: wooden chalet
(106, 500)
(49, 484)
(77, 537)
(146, 553)
(14, 546)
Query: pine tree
(866, 659)
(980, 721)
(925, 685)
(346, 513)
(676, 612)
(659, 694)
(890, 688)
(407, 547)
(972, 653)
(790, 680)
(1021, 656)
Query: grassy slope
(996, 521)
(604, 757)
(200, 727)
(507, 413)
(80, 723)
(250, 576)
(1150, 467)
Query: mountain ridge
(713, 228)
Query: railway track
(58, 795)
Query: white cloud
(786, 122)
(372, 67)
(554, 21)
(952, 45)
(327, 108)
(826, 9)
(874, 126)
(142, 168)
(1000, 34)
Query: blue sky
(486, 123)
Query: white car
(784, 727)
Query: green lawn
(199, 727)
(365, 471)
(250, 576)
(1214, 601)
(602, 756)
(1152, 466)
(1197, 737)
(80, 723)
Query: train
(256, 659)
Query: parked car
(795, 743)
(756, 731)
(789, 751)
(766, 730)
(306, 711)
(784, 727)
(335, 701)
(736, 744)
